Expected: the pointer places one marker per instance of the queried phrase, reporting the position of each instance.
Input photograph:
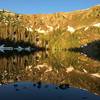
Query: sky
(46, 6)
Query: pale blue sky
(46, 6)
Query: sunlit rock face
(97, 25)
(46, 31)
(71, 29)
(86, 28)
(29, 29)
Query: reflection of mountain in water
(61, 67)
(91, 50)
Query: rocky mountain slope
(72, 29)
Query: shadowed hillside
(91, 50)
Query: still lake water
(44, 72)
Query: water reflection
(55, 68)
(91, 50)
(40, 91)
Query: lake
(67, 74)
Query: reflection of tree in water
(59, 68)
(14, 67)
